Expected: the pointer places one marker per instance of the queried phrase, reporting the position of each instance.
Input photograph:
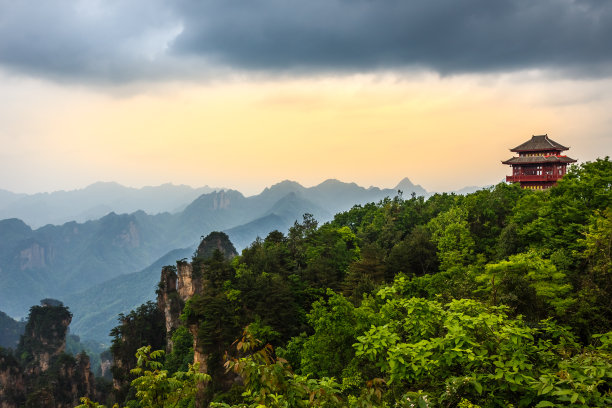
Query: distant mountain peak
(405, 182)
(407, 186)
(332, 182)
(337, 185)
(217, 200)
(285, 185)
(13, 226)
(102, 185)
(287, 182)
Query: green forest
(500, 298)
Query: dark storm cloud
(445, 35)
(91, 40)
(143, 39)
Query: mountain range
(95, 201)
(63, 261)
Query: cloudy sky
(243, 94)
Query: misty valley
(329, 296)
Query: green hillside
(60, 260)
(494, 299)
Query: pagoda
(539, 163)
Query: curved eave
(540, 143)
(556, 149)
(539, 160)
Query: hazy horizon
(146, 92)
(245, 193)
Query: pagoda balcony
(522, 177)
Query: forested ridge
(74, 260)
(494, 299)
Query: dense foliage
(45, 331)
(497, 298)
(141, 327)
(40, 373)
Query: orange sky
(247, 133)
(146, 92)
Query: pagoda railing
(523, 177)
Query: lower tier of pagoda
(531, 177)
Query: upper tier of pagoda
(539, 164)
(539, 144)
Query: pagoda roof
(539, 159)
(539, 143)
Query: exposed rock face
(188, 284)
(181, 283)
(33, 257)
(198, 355)
(45, 376)
(72, 379)
(83, 371)
(105, 367)
(169, 301)
(221, 200)
(177, 285)
(129, 237)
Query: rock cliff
(182, 282)
(41, 374)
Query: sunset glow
(235, 128)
